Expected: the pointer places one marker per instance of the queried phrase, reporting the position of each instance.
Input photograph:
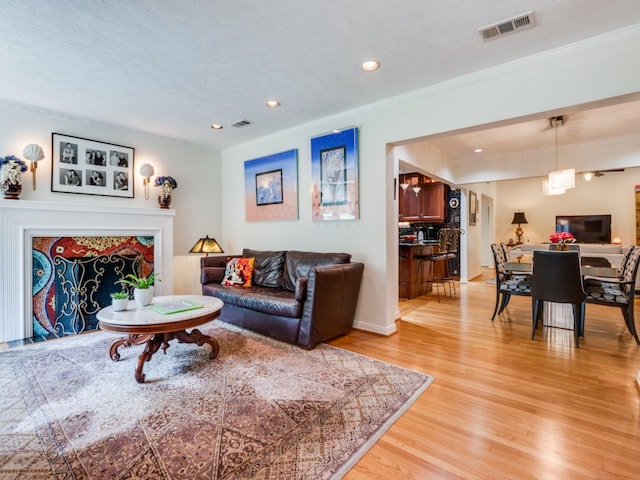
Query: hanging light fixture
(559, 180)
(547, 190)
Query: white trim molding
(22, 220)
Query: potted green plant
(119, 301)
(142, 287)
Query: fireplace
(23, 222)
(73, 278)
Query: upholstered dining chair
(557, 278)
(618, 292)
(507, 283)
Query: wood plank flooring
(503, 406)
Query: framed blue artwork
(334, 173)
(271, 187)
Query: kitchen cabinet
(428, 205)
(409, 205)
(433, 202)
(414, 270)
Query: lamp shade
(206, 245)
(518, 218)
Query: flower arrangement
(167, 182)
(12, 167)
(562, 238)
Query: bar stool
(448, 247)
(437, 276)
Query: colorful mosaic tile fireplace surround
(74, 276)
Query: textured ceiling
(174, 67)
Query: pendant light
(559, 180)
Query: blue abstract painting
(271, 187)
(334, 172)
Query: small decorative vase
(164, 199)
(563, 247)
(143, 296)
(11, 180)
(11, 191)
(119, 304)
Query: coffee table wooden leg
(152, 345)
(135, 339)
(197, 337)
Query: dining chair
(507, 283)
(557, 278)
(618, 292)
(505, 251)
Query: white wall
(613, 193)
(196, 200)
(568, 77)
(587, 72)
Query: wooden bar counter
(413, 270)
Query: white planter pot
(119, 304)
(143, 296)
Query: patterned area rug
(261, 410)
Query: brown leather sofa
(304, 298)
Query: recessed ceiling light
(215, 126)
(370, 65)
(478, 150)
(273, 103)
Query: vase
(11, 183)
(164, 199)
(10, 190)
(119, 304)
(563, 247)
(143, 296)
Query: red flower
(562, 237)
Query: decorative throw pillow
(268, 267)
(239, 271)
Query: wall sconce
(146, 171)
(34, 154)
(404, 186)
(416, 190)
(206, 245)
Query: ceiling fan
(599, 173)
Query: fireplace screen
(83, 286)
(73, 278)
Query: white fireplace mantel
(21, 220)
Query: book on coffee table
(174, 307)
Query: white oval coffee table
(155, 330)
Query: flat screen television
(586, 228)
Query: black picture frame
(269, 187)
(333, 176)
(91, 167)
(473, 207)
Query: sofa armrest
(330, 306)
(301, 289)
(212, 268)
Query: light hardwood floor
(503, 406)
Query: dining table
(560, 315)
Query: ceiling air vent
(241, 123)
(511, 25)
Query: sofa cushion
(239, 271)
(273, 301)
(298, 264)
(268, 267)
